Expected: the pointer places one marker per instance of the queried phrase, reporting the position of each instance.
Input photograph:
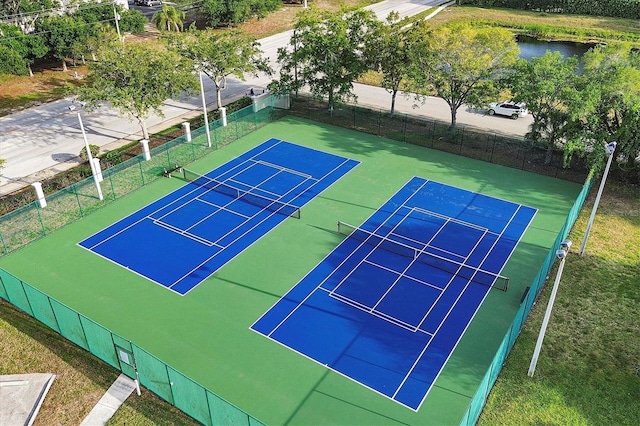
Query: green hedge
(613, 8)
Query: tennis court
(387, 307)
(187, 235)
(182, 344)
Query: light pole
(94, 172)
(561, 254)
(116, 17)
(610, 148)
(204, 110)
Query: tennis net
(473, 274)
(244, 195)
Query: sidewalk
(110, 402)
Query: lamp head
(611, 146)
(565, 245)
(561, 254)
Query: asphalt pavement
(42, 141)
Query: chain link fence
(469, 142)
(30, 222)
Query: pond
(531, 47)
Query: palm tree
(169, 18)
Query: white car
(509, 109)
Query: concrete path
(21, 396)
(110, 402)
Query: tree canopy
(227, 12)
(140, 84)
(220, 54)
(461, 63)
(326, 53)
(389, 53)
(609, 107)
(169, 19)
(549, 86)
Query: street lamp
(94, 172)
(561, 254)
(610, 148)
(204, 110)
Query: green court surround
(205, 335)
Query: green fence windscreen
(190, 397)
(15, 292)
(69, 323)
(223, 413)
(153, 374)
(41, 307)
(99, 341)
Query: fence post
(404, 128)
(493, 147)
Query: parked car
(509, 109)
(150, 2)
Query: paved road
(41, 141)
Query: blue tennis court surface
(387, 307)
(186, 236)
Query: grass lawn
(588, 372)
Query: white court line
(319, 286)
(262, 221)
(453, 305)
(285, 169)
(187, 234)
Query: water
(531, 47)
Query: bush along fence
(468, 142)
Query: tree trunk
(143, 125)
(219, 96)
(548, 155)
(64, 65)
(30, 70)
(331, 99)
(452, 128)
(393, 101)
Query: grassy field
(588, 372)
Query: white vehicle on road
(508, 109)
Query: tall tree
(20, 50)
(60, 33)
(169, 18)
(609, 106)
(220, 12)
(326, 53)
(548, 85)
(461, 64)
(140, 84)
(389, 53)
(220, 54)
(25, 13)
